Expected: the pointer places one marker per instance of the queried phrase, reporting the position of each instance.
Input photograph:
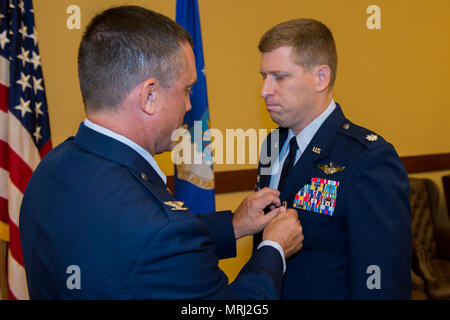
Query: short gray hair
(122, 47)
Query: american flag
(24, 126)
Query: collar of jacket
(113, 150)
(322, 141)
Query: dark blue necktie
(288, 162)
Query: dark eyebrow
(274, 72)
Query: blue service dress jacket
(96, 206)
(351, 193)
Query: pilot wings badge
(176, 205)
(330, 169)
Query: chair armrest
(442, 235)
(425, 267)
(417, 282)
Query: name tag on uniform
(319, 196)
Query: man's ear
(149, 96)
(322, 76)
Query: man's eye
(280, 78)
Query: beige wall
(393, 80)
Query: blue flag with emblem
(194, 181)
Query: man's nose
(266, 88)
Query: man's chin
(165, 147)
(172, 145)
(276, 119)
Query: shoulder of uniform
(363, 135)
(163, 200)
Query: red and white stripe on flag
(24, 126)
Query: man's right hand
(249, 217)
(285, 229)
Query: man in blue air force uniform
(97, 220)
(346, 182)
